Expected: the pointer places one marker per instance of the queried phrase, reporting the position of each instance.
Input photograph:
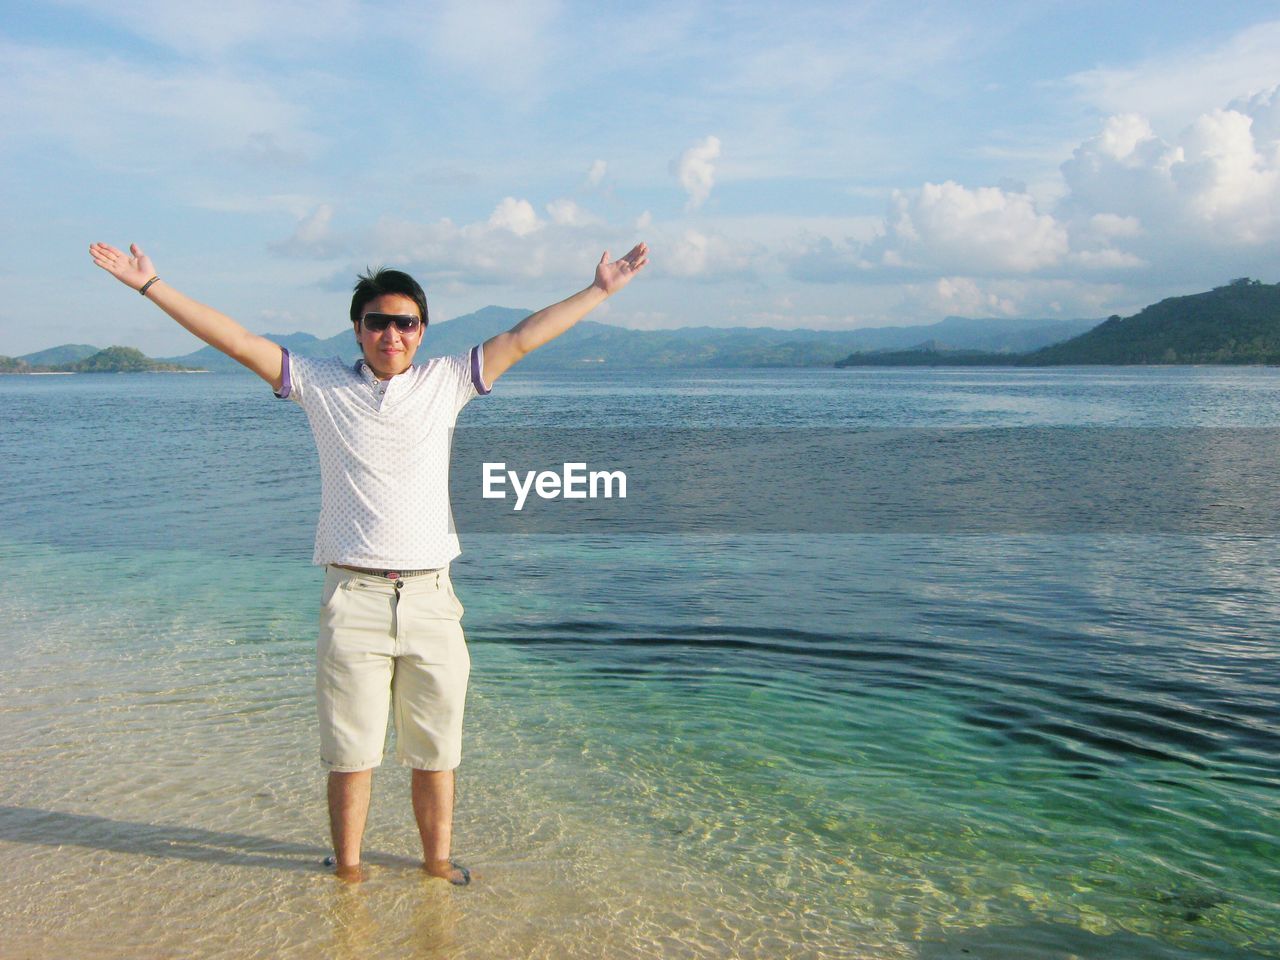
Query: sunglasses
(378, 322)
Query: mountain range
(1235, 323)
(603, 344)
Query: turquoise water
(718, 746)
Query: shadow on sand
(52, 828)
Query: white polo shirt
(384, 456)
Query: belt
(387, 574)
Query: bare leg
(433, 809)
(348, 809)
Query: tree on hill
(1235, 323)
(1238, 323)
(121, 360)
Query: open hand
(133, 271)
(612, 277)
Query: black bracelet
(147, 286)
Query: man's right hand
(132, 271)
(259, 354)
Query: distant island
(1238, 323)
(110, 360)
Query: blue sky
(814, 165)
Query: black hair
(374, 283)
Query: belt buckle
(391, 574)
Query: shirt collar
(362, 369)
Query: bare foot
(351, 873)
(456, 874)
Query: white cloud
(1111, 225)
(1224, 178)
(695, 169)
(705, 255)
(566, 213)
(962, 296)
(689, 254)
(515, 215)
(1123, 135)
(951, 228)
(1107, 259)
(1027, 297)
(313, 237)
(511, 247)
(1218, 182)
(1133, 206)
(314, 228)
(596, 175)
(478, 253)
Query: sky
(820, 165)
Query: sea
(890, 741)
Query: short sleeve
(296, 376)
(477, 370)
(286, 375)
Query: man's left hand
(612, 277)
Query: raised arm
(533, 331)
(136, 271)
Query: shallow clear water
(799, 746)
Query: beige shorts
(383, 648)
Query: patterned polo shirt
(384, 456)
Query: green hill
(55, 356)
(929, 355)
(121, 360)
(110, 360)
(1238, 323)
(1235, 324)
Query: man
(390, 633)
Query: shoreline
(72, 373)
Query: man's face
(389, 352)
